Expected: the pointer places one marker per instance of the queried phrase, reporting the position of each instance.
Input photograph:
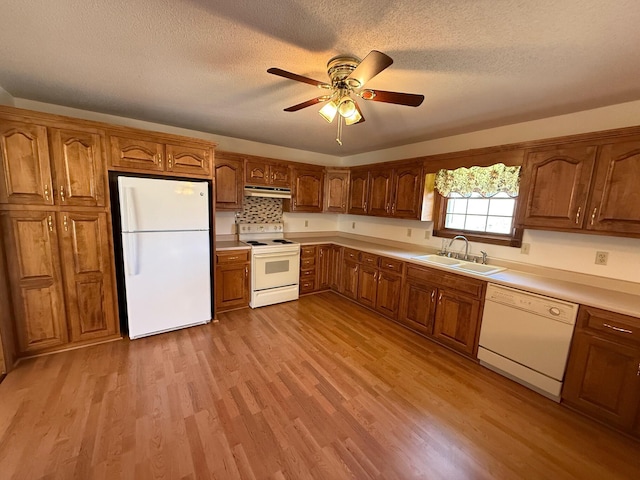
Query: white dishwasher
(526, 337)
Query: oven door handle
(275, 254)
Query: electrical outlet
(427, 234)
(602, 258)
(525, 248)
(306, 223)
(353, 225)
(408, 232)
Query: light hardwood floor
(318, 388)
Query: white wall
(605, 118)
(6, 98)
(310, 222)
(224, 143)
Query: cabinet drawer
(369, 259)
(307, 285)
(351, 254)
(613, 325)
(307, 262)
(308, 251)
(232, 256)
(442, 279)
(308, 273)
(391, 264)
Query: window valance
(486, 181)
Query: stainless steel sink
(457, 264)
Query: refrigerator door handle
(129, 208)
(131, 253)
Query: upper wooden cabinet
(77, 157)
(336, 190)
(407, 191)
(260, 171)
(358, 191)
(556, 186)
(144, 152)
(306, 191)
(229, 175)
(26, 173)
(615, 198)
(586, 187)
(379, 192)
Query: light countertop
(222, 245)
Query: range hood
(269, 192)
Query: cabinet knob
(578, 215)
(65, 223)
(170, 161)
(593, 215)
(62, 194)
(46, 192)
(50, 222)
(440, 298)
(433, 296)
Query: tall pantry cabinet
(56, 233)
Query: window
(480, 203)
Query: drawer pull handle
(62, 194)
(617, 329)
(46, 192)
(389, 265)
(50, 222)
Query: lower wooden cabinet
(388, 293)
(335, 262)
(367, 285)
(325, 267)
(233, 279)
(350, 279)
(603, 371)
(446, 307)
(60, 272)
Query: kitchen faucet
(466, 245)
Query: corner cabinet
(587, 188)
(229, 186)
(603, 371)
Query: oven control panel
(244, 228)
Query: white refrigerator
(166, 253)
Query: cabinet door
(189, 160)
(25, 173)
(137, 154)
(279, 176)
(417, 306)
(602, 379)
(555, 187)
(325, 267)
(388, 294)
(336, 268)
(367, 285)
(336, 191)
(407, 192)
(36, 283)
(86, 261)
(379, 193)
(307, 190)
(256, 173)
(615, 204)
(358, 192)
(232, 286)
(350, 279)
(456, 321)
(79, 168)
(229, 184)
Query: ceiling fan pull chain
(339, 136)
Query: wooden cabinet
(446, 307)
(589, 188)
(615, 198)
(407, 191)
(379, 192)
(325, 267)
(308, 271)
(367, 286)
(52, 309)
(266, 172)
(603, 370)
(556, 186)
(335, 265)
(233, 279)
(388, 294)
(306, 191)
(144, 152)
(229, 186)
(25, 176)
(358, 191)
(336, 190)
(350, 279)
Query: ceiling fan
(348, 76)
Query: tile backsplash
(260, 210)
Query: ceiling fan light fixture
(347, 107)
(354, 118)
(328, 112)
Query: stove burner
(256, 243)
(281, 240)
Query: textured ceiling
(201, 64)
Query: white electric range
(275, 263)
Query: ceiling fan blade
(408, 99)
(297, 78)
(306, 104)
(373, 64)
